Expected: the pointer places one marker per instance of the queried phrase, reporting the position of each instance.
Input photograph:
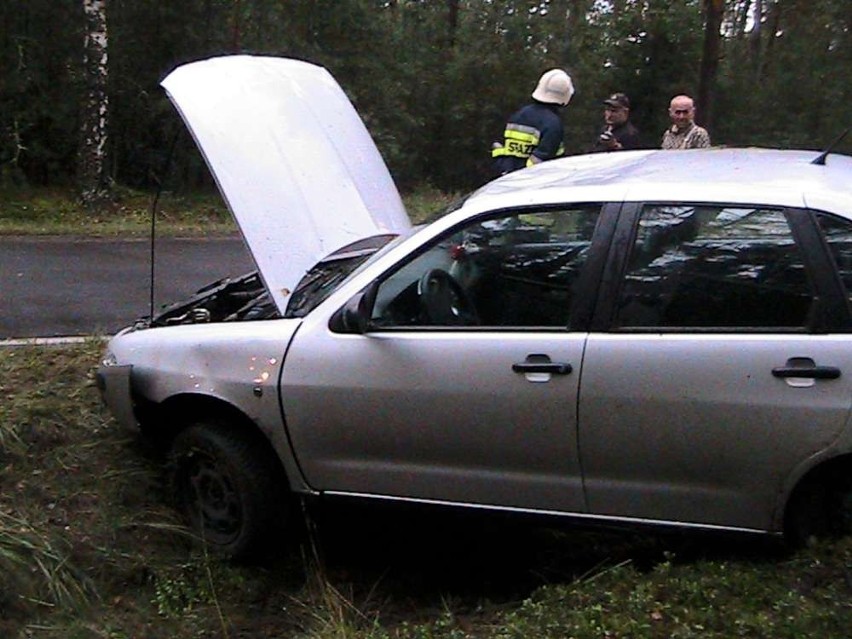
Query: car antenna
(154, 206)
(820, 159)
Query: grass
(89, 549)
(25, 211)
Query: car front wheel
(229, 487)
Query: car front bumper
(114, 384)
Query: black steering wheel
(443, 302)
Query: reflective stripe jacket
(534, 130)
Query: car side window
(517, 270)
(714, 267)
(838, 236)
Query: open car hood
(292, 159)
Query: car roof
(726, 175)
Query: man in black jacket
(618, 133)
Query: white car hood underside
(292, 159)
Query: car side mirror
(354, 316)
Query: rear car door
(719, 362)
(464, 387)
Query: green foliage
(434, 94)
(706, 599)
(446, 626)
(427, 204)
(790, 96)
(39, 85)
(182, 588)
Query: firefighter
(534, 133)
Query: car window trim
(621, 240)
(836, 315)
(589, 285)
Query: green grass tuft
(36, 571)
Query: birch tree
(91, 174)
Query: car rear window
(715, 266)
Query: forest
(433, 80)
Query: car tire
(229, 487)
(821, 508)
(840, 506)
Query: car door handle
(542, 364)
(815, 372)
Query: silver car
(639, 337)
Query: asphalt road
(58, 286)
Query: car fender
(841, 446)
(237, 363)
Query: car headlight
(109, 359)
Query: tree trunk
(236, 28)
(709, 60)
(91, 175)
(452, 21)
(755, 37)
(773, 25)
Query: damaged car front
(238, 299)
(314, 202)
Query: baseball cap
(618, 100)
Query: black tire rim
(210, 498)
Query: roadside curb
(76, 239)
(51, 341)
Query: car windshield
(324, 278)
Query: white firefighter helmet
(554, 87)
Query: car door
(718, 364)
(464, 386)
